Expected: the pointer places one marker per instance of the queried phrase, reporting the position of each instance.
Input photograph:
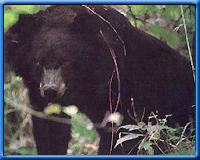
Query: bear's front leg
(51, 137)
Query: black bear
(92, 57)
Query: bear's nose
(50, 94)
(52, 85)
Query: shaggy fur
(80, 43)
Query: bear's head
(61, 54)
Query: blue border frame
(101, 2)
(197, 79)
(1, 81)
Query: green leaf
(137, 9)
(171, 130)
(126, 138)
(156, 136)
(168, 115)
(131, 127)
(70, 110)
(9, 19)
(156, 127)
(83, 125)
(175, 138)
(147, 146)
(116, 118)
(27, 8)
(150, 151)
(54, 108)
(168, 37)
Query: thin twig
(187, 41)
(118, 79)
(88, 8)
(117, 71)
(22, 107)
(177, 20)
(132, 15)
(110, 90)
(159, 147)
(112, 138)
(110, 99)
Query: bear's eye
(38, 64)
(65, 64)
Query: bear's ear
(26, 25)
(17, 41)
(86, 23)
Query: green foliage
(161, 21)
(162, 33)
(130, 136)
(70, 110)
(27, 8)
(81, 124)
(186, 148)
(147, 146)
(52, 108)
(15, 149)
(85, 138)
(9, 19)
(11, 13)
(158, 137)
(17, 123)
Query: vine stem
(21, 107)
(89, 9)
(187, 41)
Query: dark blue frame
(100, 2)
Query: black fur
(69, 37)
